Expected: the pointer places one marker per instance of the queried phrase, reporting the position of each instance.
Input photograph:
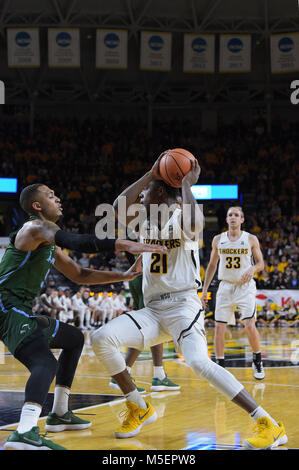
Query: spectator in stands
(293, 282)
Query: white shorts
(161, 320)
(231, 296)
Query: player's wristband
(83, 243)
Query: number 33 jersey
(234, 257)
(176, 270)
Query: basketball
(174, 165)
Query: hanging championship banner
(235, 53)
(284, 53)
(199, 53)
(64, 47)
(23, 47)
(155, 51)
(112, 49)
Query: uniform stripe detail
(19, 267)
(56, 328)
(2, 306)
(193, 258)
(133, 319)
(21, 312)
(191, 324)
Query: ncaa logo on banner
(156, 43)
(63, 39)
(111, 40)
(2, 97)
(199, 45)
(23, 39)
(286, 45)
(235, 45)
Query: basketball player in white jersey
(235, 249)
(172, 310)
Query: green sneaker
(30, 440)
(67, 422)
(114, 385)
(165, 384)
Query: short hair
(236, 207)
(27, 197)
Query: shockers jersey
(176, 270)
(234, 257)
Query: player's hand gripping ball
(174, 165)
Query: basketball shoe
(135, 419)
(67, 422)
(258, 370)
(165, 384)
(30, 440)
(267, 436)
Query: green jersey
(23, 273)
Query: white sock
(29, 417)
(259, 412)
(159, 372)
(61, 400)
(135, 397)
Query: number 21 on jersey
(159, 263)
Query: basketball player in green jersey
(31, 253)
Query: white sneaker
(258, 370)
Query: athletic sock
(135, 397)
(61, 400)
(220, 361)
(259, 412)
(29, 417)
(257, 357)
(159, 372)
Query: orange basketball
(174, 165)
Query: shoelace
(126, 415)
(260, 428)
(259, 366)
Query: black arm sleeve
(83, 243)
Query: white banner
(64, 47)
(23, 47)
(284, 53)
(235, 53)
(155, 51)
(112, 49)
(279, 296)
(199, 53)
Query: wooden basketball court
(196, 417)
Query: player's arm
(45, 302)
(35, 233)
(86, 276)
(192, 217)
(131, 194)
(211, 269)
(258, 260)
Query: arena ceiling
(132, 86)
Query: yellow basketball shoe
(135, 419)
(267, 436)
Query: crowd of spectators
(90, 162)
